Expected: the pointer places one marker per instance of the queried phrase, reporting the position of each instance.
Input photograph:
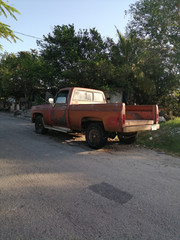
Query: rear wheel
(95, 136)
(39, 125)
(127, 138)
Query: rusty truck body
(86, 110)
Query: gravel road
(54, 187)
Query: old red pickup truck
(86, 110)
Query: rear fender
(87, 121)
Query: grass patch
(166, 139)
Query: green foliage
(157, 25)
(157, 20)
(166, 139)
(160, 22)
(171, 103)
(75, 58)
(5, 30)
(20, 75)
(136, 69)
(123, 58)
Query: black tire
(127, 138)
(95, 136)
(39, 125)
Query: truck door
(59, 110)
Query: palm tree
(5, 31)
(123, 56)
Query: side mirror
(51, 100)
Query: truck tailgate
(141, 118)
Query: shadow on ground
(78, 139)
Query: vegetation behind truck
(86, 110)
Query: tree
(124, 59)
(75, 58)
(5, 30)
(157, 24)
(157, 20)
(20, 75)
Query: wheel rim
(94, 137)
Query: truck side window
(62, 97)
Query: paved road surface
(54, 187)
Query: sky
(38, 18)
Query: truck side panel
(109, 114)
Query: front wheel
(95, 136)
(39, 125)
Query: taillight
(157, 118)
(123, 118)
(157, 114)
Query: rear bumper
(139, 128)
